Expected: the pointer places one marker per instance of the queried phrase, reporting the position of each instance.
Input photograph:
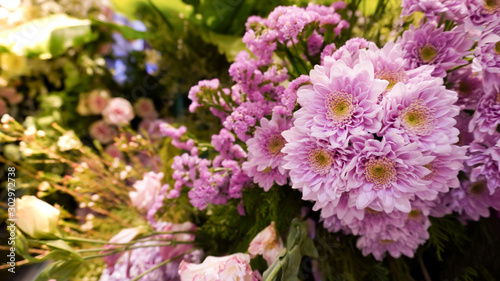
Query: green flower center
(414, 214)
(491, 5)
(478, 188)
(320, 160)
(381, 172)
(386, 241)
(497, 48)
(340, 107)
(418, 118)
(464, 88)
(428, 53)
(275, 143)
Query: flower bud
(36, 218)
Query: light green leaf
(46, 37)
(61, 270)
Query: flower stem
(161, 264)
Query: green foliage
(446, 230)
(287, 265)
(225, 231)
(60, 270)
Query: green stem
(115, 251)
(161, 264)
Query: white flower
(147, 190)
(68, 141)
(6, 118)
(36, 218)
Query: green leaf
(61, 245)
(61, 270)
(46, 37)
(128, 32)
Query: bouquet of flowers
(347, 145)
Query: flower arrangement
(328, 151)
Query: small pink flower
(145, 108)
(146, 190)
(118, 112)
(102, 131)
(97, 101)
(267, 244)
(11, 95)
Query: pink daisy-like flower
(341, 104)
(314, 165)
(487, 52)
(485, 161)
(264, 151)
(430, 46)
(445, 167)
(482, 12)
(423, 113)
(468, 86)
(102, 131)
(385, 175)
(486, 118)
(97, 101)
(118, 112)
(453, 9)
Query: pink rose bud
(267, 244)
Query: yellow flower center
(386, 241)
(432, 168)
(393, 77)
(320, 160)
(418, 118)
(428, 53)
(381, 172)
(340, 107)
(275, 143)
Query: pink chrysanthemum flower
(314, 165)
(385, 175)
(445, 167)
(423, 113)
(453, 9)
(487, 51)
(264, 151)
(430, 46)
(482, 12)
(342, 103)
(468, 86)
(397, 240)
(486, 118)
(485, 161)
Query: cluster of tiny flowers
(373, 145)
(209, 181)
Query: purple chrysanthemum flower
(487, 51)
(472, 200)
(482, 12)
(453, 9)
(385, 175)
(264, 151)
(468, 86)
(423, 113)
(485, 161)
(341, 104)
(430, 46)
(314, 165)
(445, 167)
(401, 235)
(486, 118)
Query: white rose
(36, 218)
